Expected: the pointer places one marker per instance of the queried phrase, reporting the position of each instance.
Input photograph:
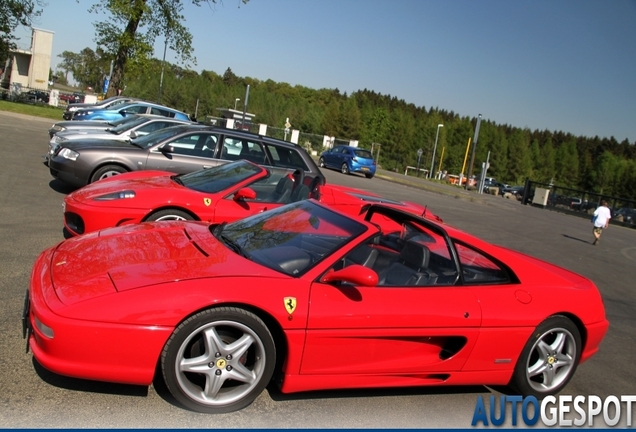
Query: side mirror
(244, 193)
(166, 148)
(133, 134)
(354, 274)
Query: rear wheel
(549, 358)
(344, 168)
(219, 360)
(169, 214)
(107, 171)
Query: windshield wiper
(233, 245)
(132, 142)
(177, 179)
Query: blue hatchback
(349, 159)
(130, 108)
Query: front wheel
(344, 168)
(169, 214)
(219, 360)
(107, 171)
(549, 359)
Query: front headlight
(73, 109)
(58, 128)
(68, 154)
(116, 196)
(59, 139)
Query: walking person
(602, 216)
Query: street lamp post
(434, 148)
(235, 101)
(163, 65)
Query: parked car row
(197, 252)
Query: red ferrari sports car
(223, 193)
(311, 298)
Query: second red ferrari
(220, 194)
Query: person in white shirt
(601, 220)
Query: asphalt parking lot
(31, 220)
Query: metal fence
(581, 203)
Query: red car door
(389, 330)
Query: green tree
(122, 35)
(14, 13)
(88, 67)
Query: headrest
(415, 254)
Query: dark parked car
(349, 159)
(625, 215)
(111, 102)
(37, 96)
(517, 191)
(180, 149)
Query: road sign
(287, 123)
(419, 152)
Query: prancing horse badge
(290, 304)
(207, 201)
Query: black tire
(321, 162)
(549, 359)
(344, 168)
(217, 381)
(369, 176)
(169, 214)
(107, 171)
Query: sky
(558, 65)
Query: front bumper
(81, 218)
(71, 172)
(103, 351)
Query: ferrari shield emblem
(290, 304)
(207, 201)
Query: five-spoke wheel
(169, 214)
(219, 360)
(549, 358)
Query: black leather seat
(283, 191)
(410, 269)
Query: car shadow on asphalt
(576, 238)
(61, 187)
(276, 394)
(90, 386)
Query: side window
(405, 254)
(190, 145)
(231, 149)
(271, 188)
(139, 109)
(286, 158)
(337, 150)
(253, 152)
(152, 127)
(161, 112)
(478, 269)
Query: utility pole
(472, 155)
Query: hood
(120, 259)
(85, 143)
(90, 131)
(136, 181)
(82, 105)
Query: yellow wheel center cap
(551, 360)
(221, 363)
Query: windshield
(218, 178)
(291, 239)
(147, 141)
(125, 126)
